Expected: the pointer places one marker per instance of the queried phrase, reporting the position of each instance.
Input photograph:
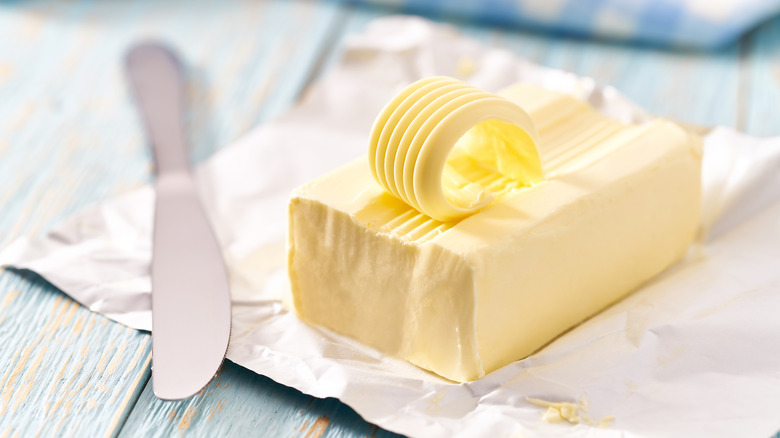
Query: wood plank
(693, 87)
(700, 88)
(241, 403)
(63, 369)
(69, 136)
(760, 110)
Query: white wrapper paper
(696, 352)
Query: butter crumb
(606, 421)
(573, 413)
(557, 411)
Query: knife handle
(155, 76)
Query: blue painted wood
(63, 369)
(242, 403)
(691, 87)
(69, 137)
(761, 81)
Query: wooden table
(69, 137)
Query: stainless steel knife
(190, 291)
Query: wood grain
(69, 136)
(760, 82)
(692, 87)
(65, 370)
(241, 403)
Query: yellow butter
(617, 205)
(573, 413)
(414, 134)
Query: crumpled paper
(695, 352)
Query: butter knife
(190, 291)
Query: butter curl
(414, 135)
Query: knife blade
(191, 311)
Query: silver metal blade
(190, 298)
(190, 291)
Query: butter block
(462, 298)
